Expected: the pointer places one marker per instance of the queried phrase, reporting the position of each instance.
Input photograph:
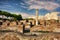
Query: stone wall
(16, 36)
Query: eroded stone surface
(16, 36)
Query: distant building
(52, 15)
(48, 16)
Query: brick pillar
(23, 28)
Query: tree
(7, 14)
(19, 17)
(1, 13)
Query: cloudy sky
(27, 7)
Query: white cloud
(42, 4)
(23, 7)
(22, 3)
(25, 15)
(6, 6)
(47, 16)
(16, 4)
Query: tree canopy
(7, 14)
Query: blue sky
(27, 7)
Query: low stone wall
(17, 36)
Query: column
(36, 16)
